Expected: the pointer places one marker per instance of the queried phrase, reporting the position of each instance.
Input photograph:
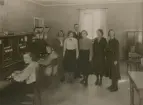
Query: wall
(17, 15)
(121, 17)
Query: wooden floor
(72, 94)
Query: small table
(136, 83)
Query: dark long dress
(99, 56)
(60, 52)
(112, 54)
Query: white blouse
(28, 74)
(70, 43)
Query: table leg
(136, 67)
(140, 100)
(130, 67)
(131, 93)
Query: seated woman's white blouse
(70, 43)
(28, 74)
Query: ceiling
(79, 2)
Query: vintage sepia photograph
(71, 52)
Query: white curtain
(93, 19)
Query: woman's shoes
(97, 82)
(82, 81)
(113, 89)
(85, 84)
(110, 87)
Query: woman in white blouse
(70, 53)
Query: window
(38, 22)
(140, 38)
(91, 20)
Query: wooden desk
(136, 83)
(4, 84)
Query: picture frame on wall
(38, 22)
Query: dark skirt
(70, 62)
(83, 63)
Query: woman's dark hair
(75, 25)
(46, 26)
(110, 31)
(35, 29)
(42, 29)
(61, 32)
(101, 31)
(32, 55)
(84, 31)
(69, 32)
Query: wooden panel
(1, 54)
(12, 47)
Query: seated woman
(49, 67)
(49, 61)
(27, 75)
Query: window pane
(92, 20)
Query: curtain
(93, 19)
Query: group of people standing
(70, 58)
(73, 57)
(83, 56)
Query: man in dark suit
(77, 35)
(76, 32)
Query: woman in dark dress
(60, 43)
(112, 52)
(85, 55)
(99, 46)
(70, 54)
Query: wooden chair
(134, 59)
